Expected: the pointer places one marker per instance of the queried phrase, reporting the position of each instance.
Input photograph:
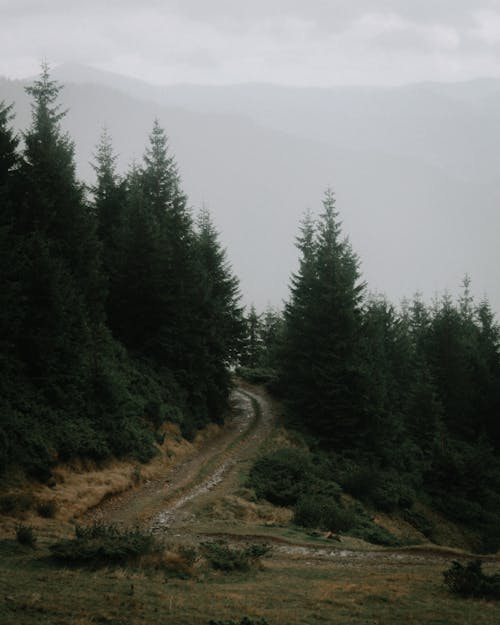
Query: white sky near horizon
(294, 42)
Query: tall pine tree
(323, 319)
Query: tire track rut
(158, 503)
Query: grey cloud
(453, 11)
(286, 41)
(331, 12)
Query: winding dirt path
(159, 503)
(167, 503)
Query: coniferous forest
(118, 308)
(399, 405)
(119, 311)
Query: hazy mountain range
(414, 169)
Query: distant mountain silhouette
(414, 169)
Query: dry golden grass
(80, 486)
(234, 508)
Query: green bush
(14, 503)
(419, 522)
(100, 545)
(47, 509)
(25, 535)
(375, 534)
(470, 581)
(223, 558)
(359, 480)
(385, 490)
(281, 476)
(391, 494)
(323, 513)
(327, 514)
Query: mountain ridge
(417, 225)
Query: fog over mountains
(414, 169)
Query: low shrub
(47, 509)
(385, 490)
(327, 514)
(223, 558)
(281, 476)
(375, 534)
(419, 522)
(359, 480)
(25, 535)
(323, 513)
(471, 581)
(14, 503)
(189, 554)
(101, 545)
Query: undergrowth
(304, 481)
(101, 545)
(25, 535)
(223, 558)
(471, 581)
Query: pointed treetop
(161, 178)
(105, 165)
(329, 225)
(45, 92)
(204, 223)
(307, 230)
(466, 301)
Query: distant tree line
(405, 403)
(118, 309)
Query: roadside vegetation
(396, 407)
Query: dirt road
(159, 503)
(173, 503)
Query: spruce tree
(323, 320)
(220, 318)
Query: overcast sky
(297, 42)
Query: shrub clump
(385, 490)
(101, 545)
(374, 534)
(14, 504)
(223, 558)
(323, 513)
(280, 476)
(47, 509)
(471, 581)
(419, 521)
(284, 476)
(25, 535)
